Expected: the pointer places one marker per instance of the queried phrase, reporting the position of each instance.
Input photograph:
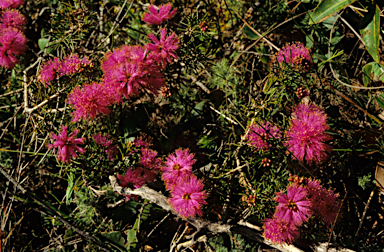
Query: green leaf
(198, 109)
(131, 238)
(249, 33)
(371, 34)
(372, 72)
(337, 39)
(114, 238)
(43, 43)
(69, 188)
(380, 102)
(326, 8)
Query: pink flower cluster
(259, 134)
(304, 198)
(144, 171)
(187, 194)
(12, 39)
(67, 145)
(104, 141)
(306, 135)
(68, 66)
(127, 70)
(295, 55)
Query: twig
(30, 110)
(353, 30)
(226, 117)
(364, 213)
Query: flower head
(49, 71)
(177, 166)
(258, 135)
(294, 206)
(11, 3)
(156, 17)
(149, 159)
(307, 134)
(325, 202)
(188, 196)
(294, 54)
(12, 44)
(67, 145)
(11, 18)
(279, 231)
(163, 50)
(89, 101)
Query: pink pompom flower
(89, 101)
(178, 165)
(306, 134)
(67, 145)
(163, 50)
(259, 134)
(294, 54)
(188, 197)
(156, 17)
(12, 44)
(48, 71)
(4, 4)
(294, 207)
(11, 18)
(279, 231)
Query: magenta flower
(177, 166)
(11, 18)
(89, 101)
(259, 134)
(279, 231)
(163, 50)
(294, 206)
(188, 196)
(130, 71)
(149, 159)
(307, 134)
(12, 44)
(325, 202)
(69, 65)
(4, 4)
(110, 149)
(294, 54)
(67, 145)
(156, 17)
(48, 71)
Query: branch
(244, 228)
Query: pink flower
(149, 159)
(12, 44)
(10, 3)
(294, 55)
(156, 17)
(325, 202)
(177, 166)
(259, 134)
(69, 65)
(67, 145)
(89, 101)
(48, 71)
(11, 18)
(294, 206)
(110, 149)
(132, 179)
(279, 231)
(165, 48)
(307, 134)
(143, 141)
(130, 71)
(188, 196)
